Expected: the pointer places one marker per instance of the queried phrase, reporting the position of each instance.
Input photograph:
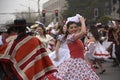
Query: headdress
(74, 18)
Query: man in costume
(114, 35)
(25, 58)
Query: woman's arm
(57, 50)
(82, 31)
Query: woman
(61, 52)
(95, 51)
(75, 68)
(44, 37)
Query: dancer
(95, 51)
(25, 58)
(45, 38)
(75, 68)
(61, 52)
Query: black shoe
(115, 65)
(96, 67)
(102, 71)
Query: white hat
(3, 29)
(34, 26)
(97, 24)
(74, 18)
(38, 22)
(51, 24)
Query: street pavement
(112, 73)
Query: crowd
(68, 51)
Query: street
(112, 73)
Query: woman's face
(72, 28)
(64, 28)
(40, 30)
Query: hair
(1, 33)
(68, 25)
(19, 29)
(95, 33)
(60, 27)
(11, 29)
(44, 30)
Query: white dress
(107, 43)
(1, 43)
(45, 41)
(89, 50)
(96, 50)
(100, 51)
(63, 53)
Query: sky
(11, 6)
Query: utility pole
(95, 13)
(29, 13)
(38, 10)
(119, 8)
(56, 15)
(43, 16)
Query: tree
(85, 8)
(104, 19)
(118, 11)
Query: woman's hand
(56, 58)
(82, 19)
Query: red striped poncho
(28, 58)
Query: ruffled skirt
(64, 54)
(75, 69)
(101, 52)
